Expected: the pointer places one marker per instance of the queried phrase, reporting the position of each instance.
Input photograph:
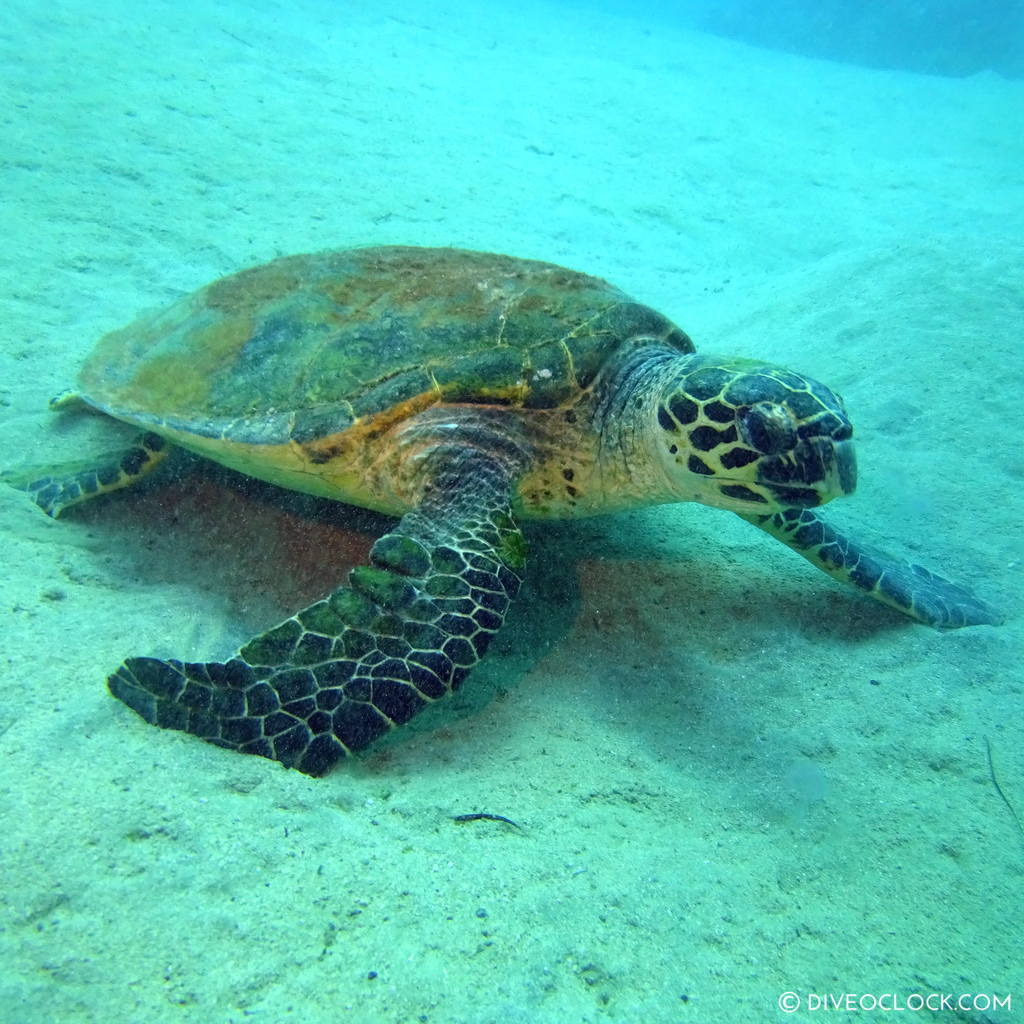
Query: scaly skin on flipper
(339, 674)
(900, 584)
(54, 494)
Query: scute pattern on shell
(311, 343)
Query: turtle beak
(813, 473)
(843, 478)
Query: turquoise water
(734, 778)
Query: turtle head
(753, 438)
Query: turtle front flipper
(339, 674)
(910, 588)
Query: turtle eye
(768, 427)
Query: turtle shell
(306, 345)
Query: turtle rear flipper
(55, 492)
(336, 676)
(901, 584)
(94, 454)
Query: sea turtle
(459, 390)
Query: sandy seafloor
(734, 777)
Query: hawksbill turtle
(460, 391)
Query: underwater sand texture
(734, 777)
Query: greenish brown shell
(307, 345)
